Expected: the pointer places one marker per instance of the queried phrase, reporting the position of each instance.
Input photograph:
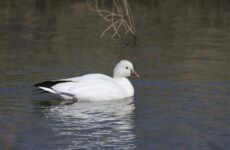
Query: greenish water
(181, 100)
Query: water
(181, 100)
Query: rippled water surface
(181, 100)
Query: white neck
(116, 73)
(126, 85)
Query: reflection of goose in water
(94, 87)
(104, 124)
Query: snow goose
(94, 87)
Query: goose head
(124, 68)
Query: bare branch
(120, 16)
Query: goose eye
(127, 67)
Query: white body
(96, 87)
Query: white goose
(94, 87)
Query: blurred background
(180, 48)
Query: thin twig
(107, 29)
(119, 16)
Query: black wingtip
(37, 91)
(49, 84)
(40, 84)
(36, 85)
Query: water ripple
(95, 124)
